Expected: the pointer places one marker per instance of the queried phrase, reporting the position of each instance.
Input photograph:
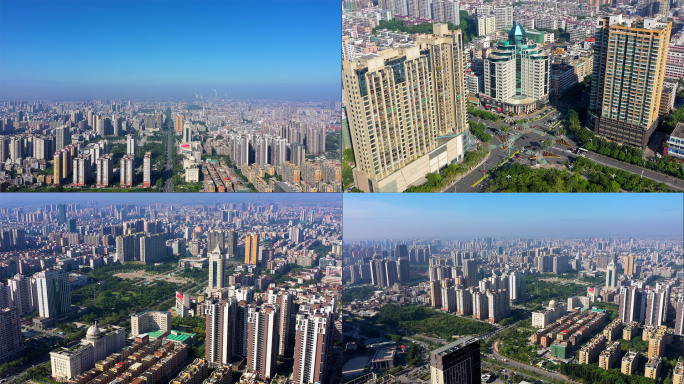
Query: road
(671, 182)
(541, 372)
(498, 154)
(530, 139)
(168, 168)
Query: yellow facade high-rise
(251, 249)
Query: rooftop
(454, 346)
(678, 131)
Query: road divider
(495, 168)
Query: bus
(582, 151)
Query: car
(517, 155)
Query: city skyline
(12, 200)
(391, 216)
(168, 50)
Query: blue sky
(147, 48)
(41, 199)
(464, 216)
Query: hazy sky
(461, 216)
(72, 49)
(40, 199)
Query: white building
(486, 24)
(54, 293)
(150, 321)
(69, 362)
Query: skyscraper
(404, 269)
(456, 363)
(21, 294)
(216, 238)
(470, 272)
(629, 265)
(130, 144)
(147, 170)
(657, 303)
(223, 325)
(406, 110)
(126, 170)
(251, 249)
(263, 339)
(231, 244)
(217, 269)
(312, 347)
(632, 304)
(611, 275)
(152, 248)
(54, 293)
(11, 341)
(104, 171)
(62, 137)
(629, 69)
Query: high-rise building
(11, 342)
(611, 275)
(406, 110)
(62, 137)
(179, 123)
(81, 170)
(498, 305)
(152, 248)
(470, 272)
(464, 302)
(657, 303)
(216, 238)
(517, 285)
(629, 265)
(312, 347)
(224, 326)
(252, 249)
(679, 316)
(104, 171)
(435, 294)
(21, 294)
(231, 244)
(632, 304)
(486, 24)
(403, 269)
(390, 271)
(504, 17)
(128, 247)
(126, 170)
(456, 363)
(263, 339)
(678, 374)
(517, 74)
(147, 170)
(217, 269)
(54, 293)
(130, 144)
(480, 306)
(629, 69)
(150, 321)
(285, 302)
